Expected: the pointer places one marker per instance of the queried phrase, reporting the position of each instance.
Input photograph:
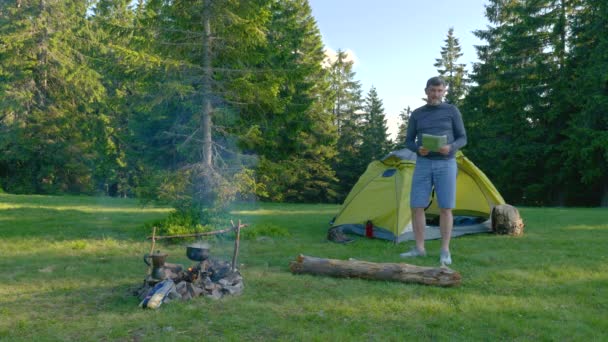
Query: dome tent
(379, 201)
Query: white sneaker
(414, 252)
(445, 258)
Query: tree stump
(506, 220)
(406, 273)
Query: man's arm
(460, 135)
(410, 135)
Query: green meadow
(69, 265)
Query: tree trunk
(406, 273)
(206, 121)
(604, 200)
(43, 46)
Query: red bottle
(369, 229)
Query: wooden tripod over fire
(236, 228)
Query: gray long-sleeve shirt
(442, 119)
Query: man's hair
(436, 81)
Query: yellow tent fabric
(381, 195)
(475, 193)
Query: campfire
(208, 277)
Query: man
(434, 169)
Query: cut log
(506, 220)
(406, 273)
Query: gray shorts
(439, 174)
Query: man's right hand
(423, 151)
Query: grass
(68, 266)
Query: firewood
(401, 272)
(197, 291)
(215, 294)
(181, 288)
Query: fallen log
(401, 272)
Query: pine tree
(345, 90)
(515, 114)
(188, 94)
(453, 72)
(292, 130)
(375, 130)
(114, 23)
(347, 111)
(404, 117)
(51, 98)
(586, 147)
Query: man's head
(435, 90)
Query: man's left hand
(445, 149)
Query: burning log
(406, 273)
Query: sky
(394, 43)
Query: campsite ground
(68, 265)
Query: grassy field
(68, 266)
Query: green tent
(379, 201)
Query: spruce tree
(453, 72)
(347, 112)
(586, 148)
(115, 25)
(188, 94)
(292, 130)
(515, 115)
(375, 143)
(404, 117)
(50, 98)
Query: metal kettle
(158, 264)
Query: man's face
(434, 94)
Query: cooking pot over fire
(198, 251)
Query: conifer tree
(195, 71)
(515, 115)
(50, 98)
(375, 130)
(347, 112)
(586, 148)
(404, 117)
(346, 91)
(292, 130)
(453, 72)
(114, 23)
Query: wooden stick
(160, 237)
(151, 250)
(236, 245)
(153, 240)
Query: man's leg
(446, 222)
(420, 194)
(445, 189)
(418, 225)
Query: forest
(196, 102)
